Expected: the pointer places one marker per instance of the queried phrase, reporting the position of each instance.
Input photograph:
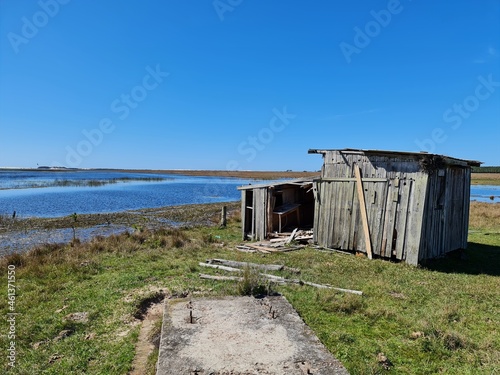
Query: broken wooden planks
(267, 247)
(281, 242)
(245, 249)
(267, 267)
(221, 278)
(297, 236)
(236, 267)
(292, 236)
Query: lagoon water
(485, 193)
(17, 192)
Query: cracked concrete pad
(240, 336)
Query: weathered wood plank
(364, 217)
(219, 267)
(415, 221)
(220, 278)
(267, 267)
(392, 198)
(353, 179)
(402, 217)
(244, 214)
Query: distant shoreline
(265, 175)
(478, 178)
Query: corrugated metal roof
(416, 155)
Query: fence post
(223, 217)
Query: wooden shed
(272, 207)
(399, 205)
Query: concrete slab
(240, 336)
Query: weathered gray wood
(219, 267)
(423, 213)
(243, 211)
(268, 267)
(353, 179)
(292, 236)
(402, 218)
(364, 216)
(261, 248)
(390, 217)
(223, 217)
(417, 207)
(280, 279)
(220, 278)
(245, 249)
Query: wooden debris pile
(279, 242)
(238, 267)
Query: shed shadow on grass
(477, 259)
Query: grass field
(485, 179)
(441, 318)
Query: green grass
(485, 178)
(441, 318)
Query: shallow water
(16, 195)
(20, 241)
(484, 193)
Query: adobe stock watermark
(32, 25)
(121, 107)
(11, 316)
(250, 148)
(254, 144)
(224, 6)
(364, 36)
(458, 112)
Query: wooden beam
(223, 217)
(292, 236)
(222, 278)
(349, 179)
(280, 280)
(219, 267)
(362, 206)
(267, 267)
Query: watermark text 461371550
(11, 315)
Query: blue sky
(240, 84)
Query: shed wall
(254, 204)
(447, 212)
(394, 192)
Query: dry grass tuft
(484, 215)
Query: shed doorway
(276, 208)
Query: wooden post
(223, 218)
(362, 206)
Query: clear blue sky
(240, 84)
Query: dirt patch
(240, 335)
(21, 235)
(143, 307)
(145, 346)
